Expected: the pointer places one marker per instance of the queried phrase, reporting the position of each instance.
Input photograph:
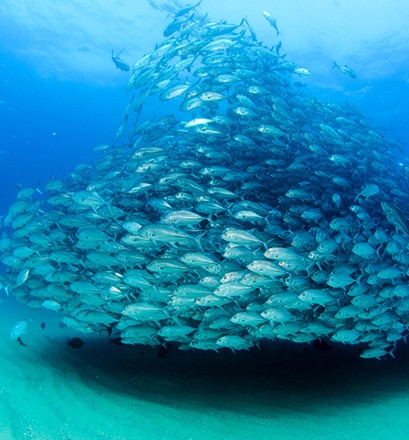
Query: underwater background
(60, 96)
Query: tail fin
(335, 64)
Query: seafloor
(49, 391)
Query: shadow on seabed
(280, 375)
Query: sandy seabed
(49, 391)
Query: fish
(176, 25)
(395, 217)
(240, 237)
(321, 297)
(346, 336)
(251, 30)
(271, 20)
(174, 91)
(302, 71)
(181, 218)
(368, 190)
(51, 305)
(234, 342)
(187, 9)
(345, 70)
(22, 277)
(18, 330)
(119, 63)
(252, 213)
(375, 352)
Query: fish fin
(175, 318)
(19, 340)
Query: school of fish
(244, 211)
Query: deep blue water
(49, 126)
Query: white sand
(106, 391)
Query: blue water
(49, 126)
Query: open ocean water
(61, 95)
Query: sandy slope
(106, 391)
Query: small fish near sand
(18, 330)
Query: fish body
(167, 265)
(18, 330)
(175, 332)
(375, 352)
(346, 336)
(241, 237)
(245, 112)
(119, 63)
(51, 305)
(22, 277)
(364, 250)
(174, 92)
(198, 259)
(233, 289)
(340, 280)
(181, 218)
(321, 297)
(345, 70)
(187, 9)
(395, 217)
(198, 121)
(234, 342)
(144, 311)
(266, 268)
(175, 26)
(271, 20)
(277, 315)
(88, 199)
(302, 71)
(248, 319)
(270, 130)
(368, 190)
(211, 96)
(251, 30)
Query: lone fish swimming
(120, 64)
